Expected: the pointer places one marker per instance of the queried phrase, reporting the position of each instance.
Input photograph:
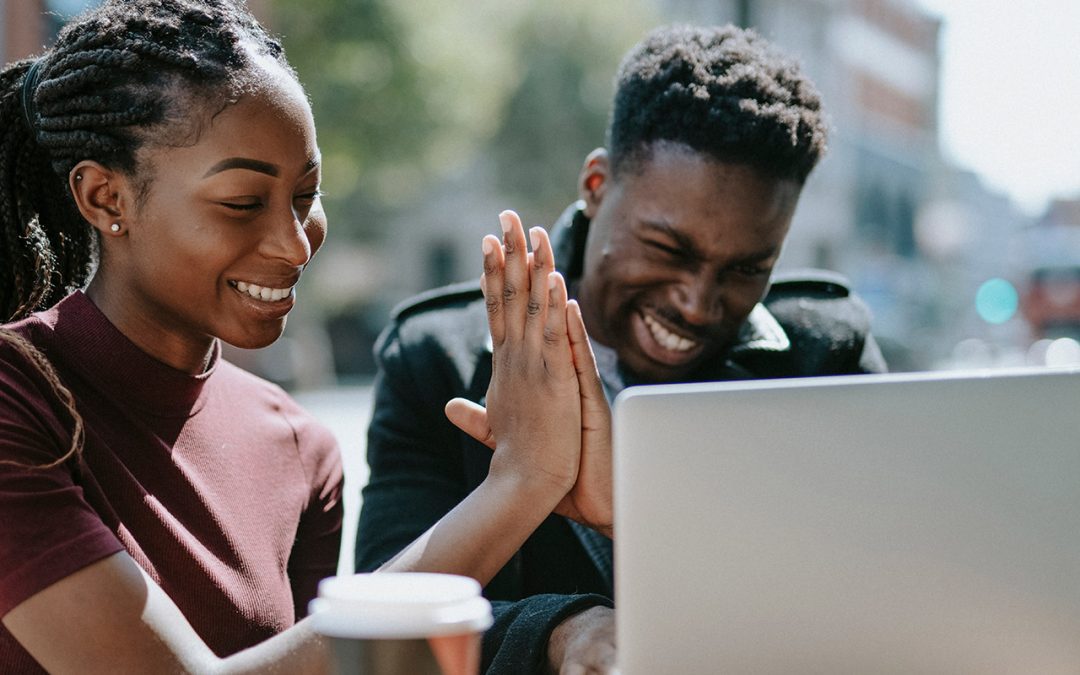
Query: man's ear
(103, 197)
(594, 179)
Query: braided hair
(119, 77)
(726, 93)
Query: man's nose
(698, 299)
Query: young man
(669, 252)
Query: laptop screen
(881, 523)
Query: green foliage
(408, 94)
(559, 110)
(367, 96)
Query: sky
(1010, 94)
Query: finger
(492, 286)
(573, 669)
(471, 418)
(515, 289)
(541, 265)
(558, 359)
(584, 359)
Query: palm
(589, 501)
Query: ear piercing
(115, 227)
(78, 176)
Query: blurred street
(346, 411)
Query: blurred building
(1050, 275)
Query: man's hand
(584, 643)
(589, 502)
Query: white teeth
(666, 338)
(263, 293)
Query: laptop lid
(902, 523)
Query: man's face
(680, 250)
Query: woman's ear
(102, 196)
(593, 181)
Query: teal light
(996, 301)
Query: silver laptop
(910, 523)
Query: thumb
(471, 418)
(592, 391)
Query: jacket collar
(760, 332)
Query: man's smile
(662, 343)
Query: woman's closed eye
(244, 204)
(241, 205)
(309, 197)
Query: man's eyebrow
(684, 241)
(691, 250)
(245, 163)
(763, 254)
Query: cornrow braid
(110, 84)
(39, 361)
(116, 79)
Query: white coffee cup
(396, 623)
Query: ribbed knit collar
(89, 344)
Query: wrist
(514, 490)
(529, 480)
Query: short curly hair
(724, 92)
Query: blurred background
(950, 195)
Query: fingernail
(552, 279)
(487, 247)
(505, 221)
(534, 238)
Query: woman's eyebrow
(244, 163)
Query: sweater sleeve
(48, 530)
(317, 547)
(517, 642)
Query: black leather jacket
(437, 347)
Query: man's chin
(646, 371)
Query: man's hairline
(632, 161)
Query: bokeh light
(996, 301)
(1063, 352)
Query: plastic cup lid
(385, 605)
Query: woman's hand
(533, 402)
(590, 499)
(535, 414)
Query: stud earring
(115, 227)
(78, 176)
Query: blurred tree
(559, 109)
(408, 93)
(368, 99)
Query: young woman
(161, 510)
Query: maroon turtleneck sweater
(218, 485)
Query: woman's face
(226, 226)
